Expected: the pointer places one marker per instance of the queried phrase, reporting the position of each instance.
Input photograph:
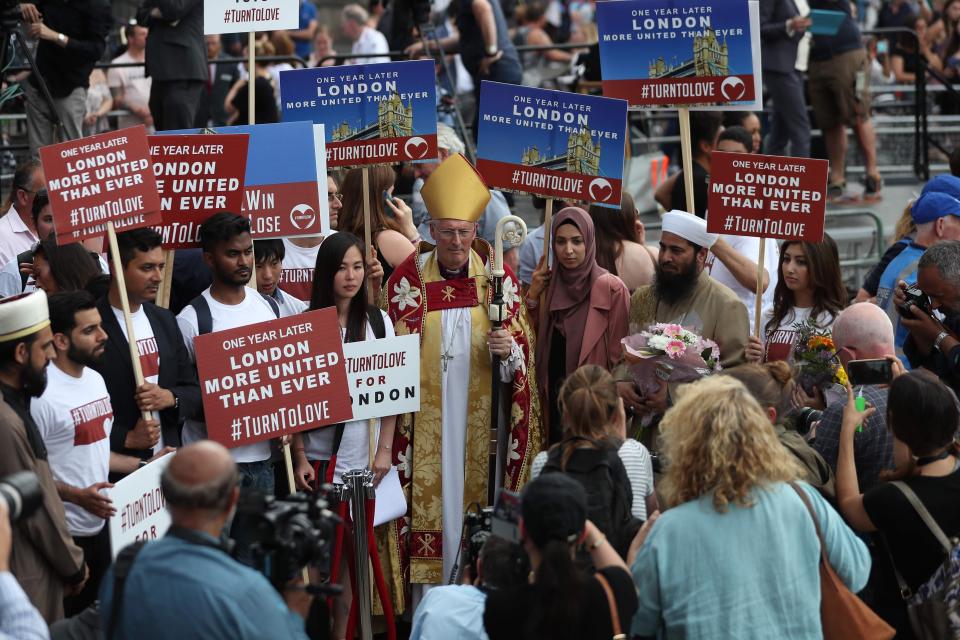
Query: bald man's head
(863, 331)
(201, 477)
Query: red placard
(767, 196)
(197, 176)
(100, 179)
(273, 378)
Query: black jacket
(176, 49)
(86, 24)
(177, 374)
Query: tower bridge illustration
(394, 120)
(582, 156)
(710, 58)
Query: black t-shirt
(509, 611)
(265, 103)
(872, 282)
(678, 197)
(916, 553)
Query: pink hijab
(568, 298)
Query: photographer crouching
(933, 344)
(186, 585)
(72, 37)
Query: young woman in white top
(809, 286)
(340, 280)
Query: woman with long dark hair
(69, 267)
(809, 288)
(325, 454)
(922, 414)
(393, 233)
(619, 250)
(562, 602)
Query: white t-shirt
(75, 417)
(296, 278)
(750, 249)
(149, 353)
(370, 41)
(289, 306)
(251, 310)
(778, 344)
(136, 88)
(354, 450)
(636, 460)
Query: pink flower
(672, 330)
(675, 349)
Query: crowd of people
(656, 499)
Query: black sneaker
(837, 194)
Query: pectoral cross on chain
(445, 358)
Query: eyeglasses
(450, 234)
(335, 196)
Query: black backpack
(609, 495)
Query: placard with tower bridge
(373, 113)
(681, 53)
(551, 143)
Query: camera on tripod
(285, 535)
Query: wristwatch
(492, 50)
(62, 39)
(943, 335)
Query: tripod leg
(58, 129)
(428, 32)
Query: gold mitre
(22, 315)
(455, 191)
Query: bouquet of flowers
(815, 358)
(671, 353)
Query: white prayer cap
(689, 227)
(23, 315)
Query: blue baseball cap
(944, 183)
(933, 205)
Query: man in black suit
(171, 391)
(781, 28)
(222, 78)
(176, 60)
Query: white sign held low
(384, 376)
(236, 16)
(141, 509)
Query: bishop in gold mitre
(442, 293)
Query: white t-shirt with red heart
(75, 417)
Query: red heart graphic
(601, 192)
(417, 150)
(733, 89)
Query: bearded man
(683, 293)
(45, 560)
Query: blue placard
(671, 53)
(373, 113)
(551, 143)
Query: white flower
(407, 296)
(511, 294)
(402, 465)
(514, 453)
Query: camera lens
(21, 491)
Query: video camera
(22, 494)
(285, 535)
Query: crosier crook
(513, 235)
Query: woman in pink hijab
(586, 310)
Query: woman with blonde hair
(737, 555)
(592, 415)
(392, 234)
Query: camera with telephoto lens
(805, 419)
(22, 494)
(284, 535)
(915, 298)
(477, 527)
